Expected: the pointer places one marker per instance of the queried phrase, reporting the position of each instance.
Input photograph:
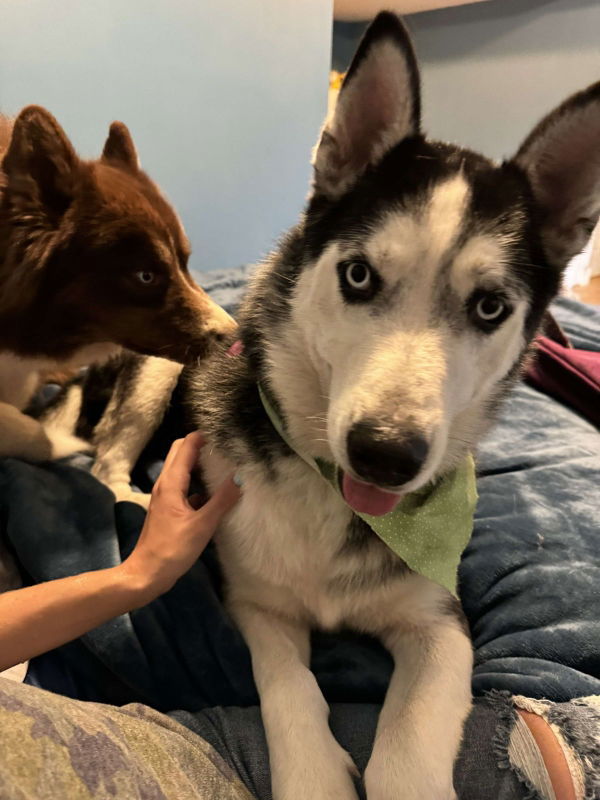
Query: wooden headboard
(365, 9)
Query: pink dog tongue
(367, 499)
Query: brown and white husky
(92, 258)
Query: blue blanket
(529, 580)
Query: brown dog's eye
(145, 277)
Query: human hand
(175, 531)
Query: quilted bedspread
(529, 580)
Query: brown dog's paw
(65, 444)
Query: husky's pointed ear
(378, 106)
(41, 161)
(119, 148)
(561, 158)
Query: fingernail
(237, 479)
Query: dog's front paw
(65, 444)
(393, 775)
(325, 774)
(381, 786)
(125, 494)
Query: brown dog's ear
(119, 148)
(561, 158)
(41, 160)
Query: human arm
(38, 618)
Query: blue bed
(529, 580)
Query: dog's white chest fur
(285, 544)
(283, 534)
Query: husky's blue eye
(358, 280)
(489, 309)
(358, 275)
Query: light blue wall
(224, 100)
(491, 70)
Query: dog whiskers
(284, 277)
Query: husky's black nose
(384, 462)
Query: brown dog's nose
(382, 461)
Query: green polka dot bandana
(429, 529)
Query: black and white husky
(387, 327)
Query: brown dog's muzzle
(194, 326)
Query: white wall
(224, 100)
(491, 70)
